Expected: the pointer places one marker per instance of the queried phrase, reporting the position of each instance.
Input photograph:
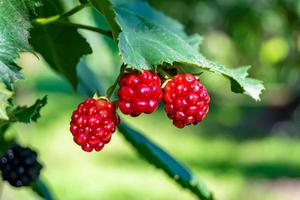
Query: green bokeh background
(243, 150)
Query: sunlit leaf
(149, 38)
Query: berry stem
(112, 88)
(97, 95)
(165, 74)
(116, 102)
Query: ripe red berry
(139, 93)
(186, 100)
(93, 123)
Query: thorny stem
(111, 89)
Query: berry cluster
(93, 123)
(186, 102)
(139, 93)
(19, 166)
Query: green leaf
(14, 26)
(4, 96)
(161, 159)
(89, 82)
(105, 7)
(61, 46)
(149, 38)
(26, 114)
(40, 188)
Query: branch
(52, 19)
(85, 27)
(59, 19)
(111, 89)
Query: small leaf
(40, 188)
(161, 159)
(61, 46)
(27, 114)
(149, 38)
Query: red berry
(186, 100)
(93, 123)
(139, 93)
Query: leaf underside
(149, 38)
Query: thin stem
(164, 73)
(197, 74)
(54, 18)
(59, 20)
(74, 10)
(86, 27)
(112, 88)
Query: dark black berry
(19, 166)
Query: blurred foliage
(243, 148)
(264, 34)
